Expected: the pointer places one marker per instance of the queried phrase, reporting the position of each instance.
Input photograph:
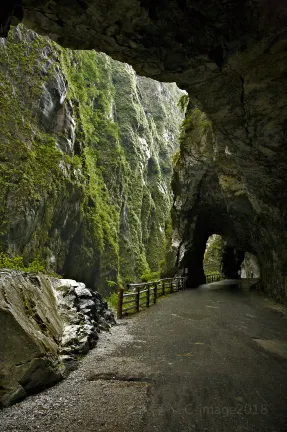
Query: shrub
(112, 300)
(150, 277)
(16, 263)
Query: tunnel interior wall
(231, 262)
(213, 196)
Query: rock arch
(231, 57)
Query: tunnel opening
(250, 268)
(231, 262)
(212, 251)
(212, 260)
(222, 259)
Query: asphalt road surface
(207, 360)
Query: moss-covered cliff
(85, 161)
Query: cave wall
(158, 38)
(213, 196)
(85, 161)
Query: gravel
(85, 400)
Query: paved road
(207, 360)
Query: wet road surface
(207, 360)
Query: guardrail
(214, 277)
(145, 294)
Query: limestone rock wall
(45, 324)
(85, 161)
(215, 194)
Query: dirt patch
(115, 377)
(273, 346)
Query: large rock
(83, 313)
(30, 333)
(45, 324)
(160, 39)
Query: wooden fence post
(155, 292)
(120, 303)
(163, 288)
(171, 286)
(178, 284)
(138, 299)
(147, 296)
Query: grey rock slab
(82, 291)
(42, 324)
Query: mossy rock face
(212, 262)
(237, 76)
(85, 161)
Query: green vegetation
(90, 84)
(112, 300)
(150, 277)
(30, 169)
(16, 263)
(167, 263)
(194, 126)
(176, 158)
(213, 255)
(90, 197)
(213, 273)
(183, 102)
(111, 284)
(196, 141)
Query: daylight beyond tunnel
(221, 261)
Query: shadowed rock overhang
(231, 57)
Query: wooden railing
(214, 277)
(145, 294)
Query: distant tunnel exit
(216, 255)
(212, 260)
